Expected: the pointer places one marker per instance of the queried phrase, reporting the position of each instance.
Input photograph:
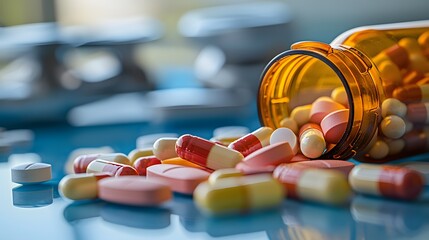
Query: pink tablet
(181, 179)
(247, 169)
(133, 190)
(271, 155)
(340, 165)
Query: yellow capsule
(411, 44)
(339, 95)
(239, 194)
(312, 143)
(80, 186)
(390, 73)
(301, 114)
(224, 173)
(393, 127)
(138, 153)
(379, 150)
(165, 148)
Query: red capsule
(141, 164)
(207, 154)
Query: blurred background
(94, 62)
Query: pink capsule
(207, 154)
(418, 112)
(322, 107)
(252, 141)
(115, 169)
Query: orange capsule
(115, 169)
(412, 77)
(423, 81)
(183, 162)
(207, 154)
(388, 181)
(142, 163)
(418, 112)
(412, 93)
(252, 141)
(398, 55)
(322, 107)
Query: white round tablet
(285, 135)
(30, 173)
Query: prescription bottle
(372, 67)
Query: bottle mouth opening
(296, 78)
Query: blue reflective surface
(38, 212)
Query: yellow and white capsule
(165, 148)
(81, 186)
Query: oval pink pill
(181, 179)
(340, 165)
(334, 125)
(133, 190)
(247, 169)
(271, 155)
(322, 107)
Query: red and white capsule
(207, 154)
(412, 93)
(252, 141)
(115, 169)
(418, 112)
(81, 163)
(388, 181)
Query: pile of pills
(251, 171)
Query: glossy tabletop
(39, 212)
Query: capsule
(395, 146)
(379, 150)
(322, 107)
(207, 154)
(239, 194)
(339, 95)
(412, 93)
(273, 155)
(393, 127)
(138, 153)
(397, 54)
(392, 106)
(334, 125)
(311, 140)
(115, 169)
(311, 184)
(141, 164)
(252, 141)
(418, 113)
(419, 62)
(81, 186)
(388, 181)
(165, 148)
(81, 163)
(413, 77)
(390, 73)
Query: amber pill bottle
(310, 70)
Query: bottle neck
(292, 73)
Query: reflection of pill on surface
(133, 190)
(322, 107)
(384, 180)
(271, 155)
(30, 173)
(34, 195)
(181, 179)
(334, 125)
(252, 141)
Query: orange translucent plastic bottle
(384, 65)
